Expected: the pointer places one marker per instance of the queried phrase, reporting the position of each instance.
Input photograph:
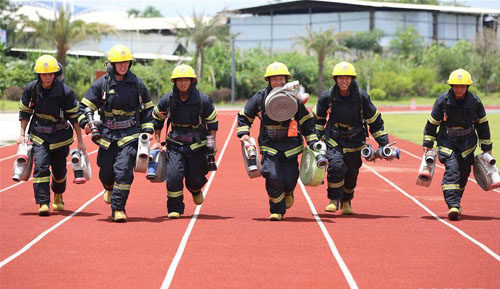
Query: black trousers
(117, 171)
(43, 159)
(343, 171)
(456, 174)
(184, 165)
(281, 174)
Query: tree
(485, 58)
(148, 12)
(363, 42)
(9, 21)
(322, 43)
(407, 43)
(133, 12)
(63, 33)
(203, 33)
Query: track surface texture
(398, 237)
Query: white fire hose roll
(281, 106)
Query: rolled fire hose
(281, 103)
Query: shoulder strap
(260, 105)
(361, 113)
(104, 93)
(445, 107)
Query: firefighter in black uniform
(124, 105)
(193, 118)
(52, 104)
(280, 143)
(459, 114)
(346, 109)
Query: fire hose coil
(281, 105)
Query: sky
(174, 8)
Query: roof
(116, 17)
(305, 6)
(92, 53)
(121, 21)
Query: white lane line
(440, 166)
(17, 184)
(182, 246)
(348, 276)
(42, 235)
(481, 245)
(7, 145)
(6, 158)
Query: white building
(275, 26)
(148, 38)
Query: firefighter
(280, 143)
(124, 107)
(461, 119)
(52, 106)
(346, 110)
(193, 117)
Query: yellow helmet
(46, 64)
(344, 68)
(120, 53)
(276, 68)
(460, 77)
(183, 71)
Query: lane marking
(17, 184)
(476, 242)
(348, 276)
(42, 235)
(182, 246)
(10, 157)
(441, 167)
(7, 145)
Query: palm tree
(322, 43)
(63, 33)
(203, 33)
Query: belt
(51, 128)
(184, 137)
(346, 133)
(113, 124)
(459, 132)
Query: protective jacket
(458, 122)
(273, 135)
(347, 116)
(53, 108)
(190, 119)
(124, 107)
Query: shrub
(437, 89)
(476, 91)
(377, 94)
(223, 94)
(13, 93)
(393, 83)
(423, 79)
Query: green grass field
(9, 105)
(410, 127)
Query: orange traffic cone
(413, 104)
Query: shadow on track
(464, 218)
(359, 216)
(293, 220)
(64, 213)
(165, 219)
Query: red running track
(392, 240)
